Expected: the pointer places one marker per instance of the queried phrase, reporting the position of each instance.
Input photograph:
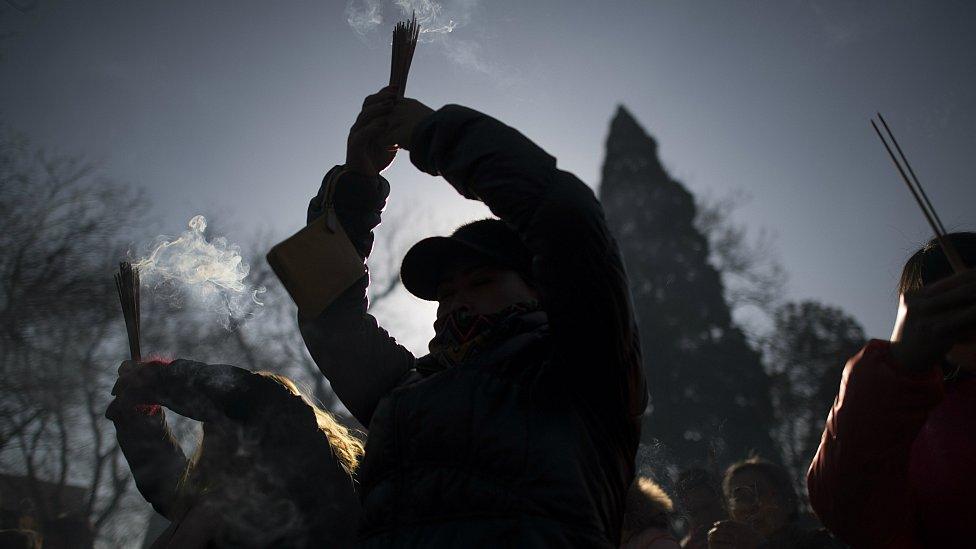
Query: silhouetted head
(647, 506)
(220, 448)
(930, 265)
(482, 268)
(699, 496)
(346, 447)
(761, 494)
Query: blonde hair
(647, 505)
(346, 446)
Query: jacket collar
(510, 337)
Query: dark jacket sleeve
(217, 392)
(203, 392)
(576, 263)
(155, 457)
(360, 359)
(858, 481)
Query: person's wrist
(361, 168)
(407, 138)
(364, 172)
(403, 141)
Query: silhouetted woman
(895, 467)
(271, 469)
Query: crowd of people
(755, 504)
(521, 426)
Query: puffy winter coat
(532, 443)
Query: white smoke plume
(364, 16)
(373, 21)
(431, 14)
(209, 275)
(435, 17)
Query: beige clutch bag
(317, 264)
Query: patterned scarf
(460, 336)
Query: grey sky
(240, 107)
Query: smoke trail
(431, 15)
(372, 19)
(367, 16)
(208, 274)
(364, 16)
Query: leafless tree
(754, 278)
(62, 228)
(805, 354)
(61, 225)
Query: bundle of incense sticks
(405, 35)
(127, 282)
(955, 260)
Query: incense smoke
(431, 15)
(373, 19)
(367, 16)
(209, 274)
(364, 16)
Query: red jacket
(896, 465)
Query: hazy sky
(238, 108)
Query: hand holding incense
(127, 283)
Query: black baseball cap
(484, 242)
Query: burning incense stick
(405, 35)
(127, 283)
(955, 260)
